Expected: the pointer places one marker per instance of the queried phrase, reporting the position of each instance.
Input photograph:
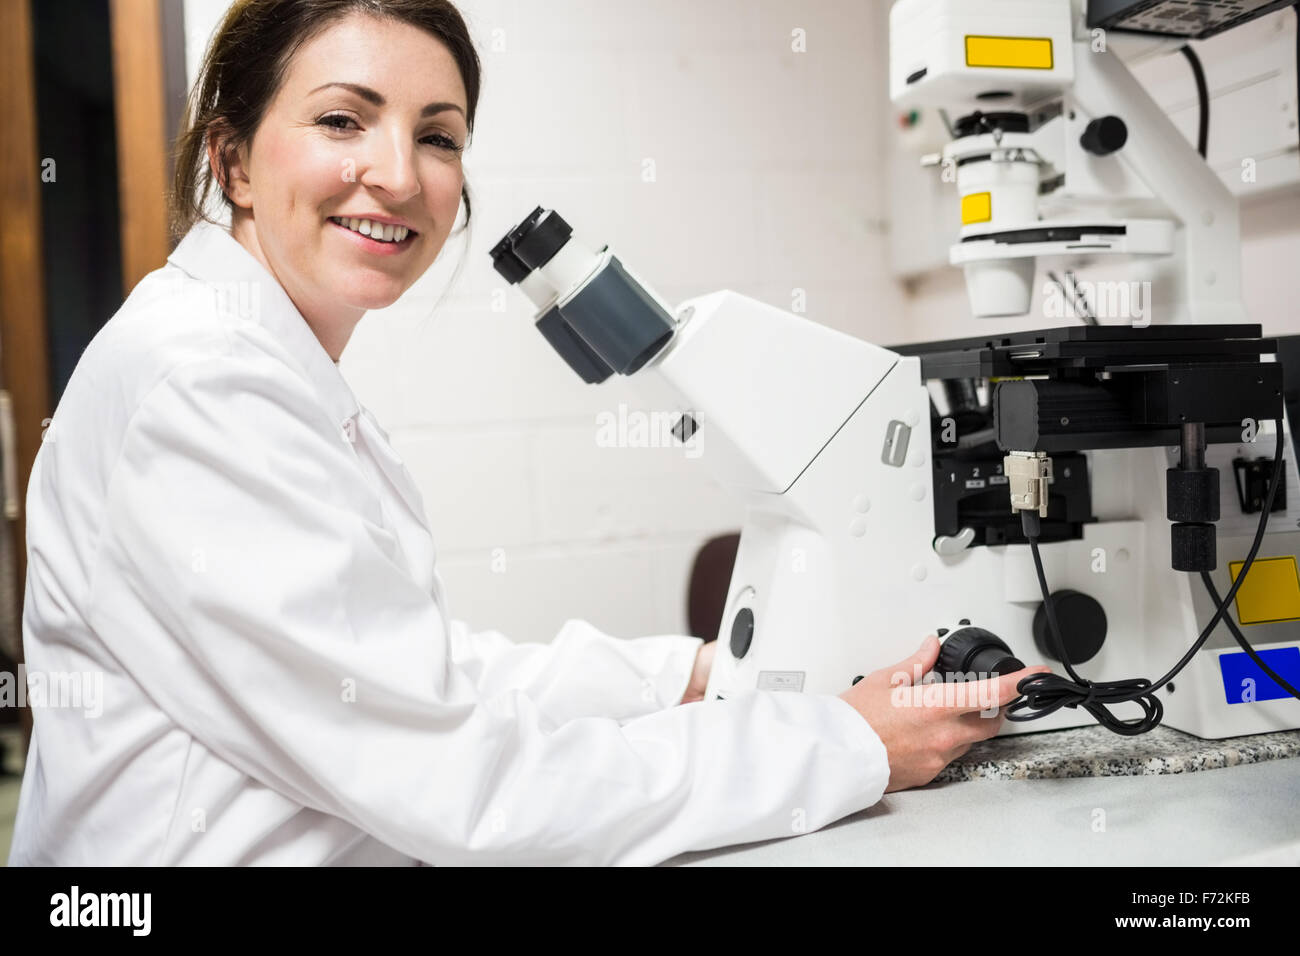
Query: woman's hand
(926, 727)
(700, 674)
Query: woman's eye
(330, 120)
(445, 142)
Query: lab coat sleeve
(583, 672)
(243, 578)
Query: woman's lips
(376, 246)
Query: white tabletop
(1242, 814)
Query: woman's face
(386, 144)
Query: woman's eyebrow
(375, 97)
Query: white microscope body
(828, 439)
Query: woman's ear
(231, 175)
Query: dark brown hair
(245, 65)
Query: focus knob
(742, 632)
(1104, 136)
(974, 650)
(1082, 622)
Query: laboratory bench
(1083, 797)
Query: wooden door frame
(143, 148)
(24, 349)
(148, 54)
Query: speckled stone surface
(1097, 752)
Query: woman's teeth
(375, 230)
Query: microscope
(1110, 499)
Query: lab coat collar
(209, 253)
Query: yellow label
(1015, 53)
(977, 207)
(1271, 592)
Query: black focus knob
(1192, 546)
(538, 238)
(742, 632)
(1104, 136)
(973, 650)
(1083, 626)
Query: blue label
(1244, 682)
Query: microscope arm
(767, 389)
(1188, 189)
(764, 389)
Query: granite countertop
(1098, 752)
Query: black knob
(1192, 546)
(1104, 136)
(742, 632)
(1083, 626)
(1192, 494)
(973, 650)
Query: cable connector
(1028, 475)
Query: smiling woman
(334, 130)
(226, 536)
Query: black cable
(1227, 618)
(1245, 644)
(1045, 694)
(1203, 97)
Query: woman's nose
(391, 167)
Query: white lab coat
(217, 528)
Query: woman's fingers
(910, 670)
